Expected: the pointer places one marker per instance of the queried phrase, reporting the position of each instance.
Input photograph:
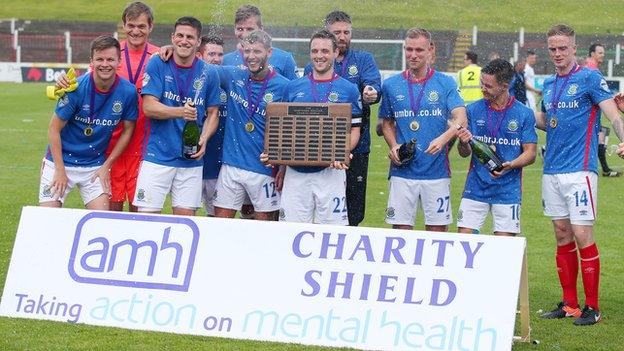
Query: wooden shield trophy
(307, 134)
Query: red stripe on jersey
(588, 137)
(591, 197)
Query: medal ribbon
(494, 127)
(415, 105)
(183, 88)
(133, 78)
(92, 110)
(556, 95)
(254, 105)
(315, 96)
(345, 64)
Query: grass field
(24, 115)
(595, 17)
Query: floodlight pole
(475, 31)
(68, 47)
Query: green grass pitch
(24, 116)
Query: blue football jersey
(507, 130)
(282, 62)
(573, 120)
(173, 85)
(359, 68)
(434, 97)
(336, 89)
(242, 148)
(100, 113)
(214, 146)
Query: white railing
(366, 41)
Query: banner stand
(524, 312)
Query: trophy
(307, 134)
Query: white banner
(365, 288)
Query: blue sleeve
(290, 67)
(212, 90)
(529, 136)
(287, 89)
(453, 100)
(132, 105)
(307, 69)
(231, 59)
(370, 74)
(598, 88)
(225, 74)
(68, 105)
(152, 80)
(469, 112)
(385, 108)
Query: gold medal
(553, 122)
(88, 131)
(249, 127)
(414, 126)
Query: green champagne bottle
(485, 154)
(190, 139)
(407, 151)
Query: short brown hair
(325, 34)
(136, 9)
(414, 33)
(258, 36)
(245, 12)
(560, 29)
(104, 42)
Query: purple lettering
(441, 250)
(296, 246)
(309, 278)
(385, 285)
(435, 292)
(390, 249)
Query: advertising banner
(367, 288)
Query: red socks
(590, 271)
(567, 267)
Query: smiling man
(419, 103)
(136, 50)
(174, 92)
(509, 127)
(246, 20)
(318, 194)
(359, 68)
(242, 174)
(572, 99)
(81, 129)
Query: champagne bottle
(190, 138)
(407, 151)
(485, 154)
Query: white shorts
(77, 176)
(472, 215)
(235, 185)
(406, 195)
(208, 188)
(156, 181)
(571, 195)
(317, 197)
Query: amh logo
(152, 252)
